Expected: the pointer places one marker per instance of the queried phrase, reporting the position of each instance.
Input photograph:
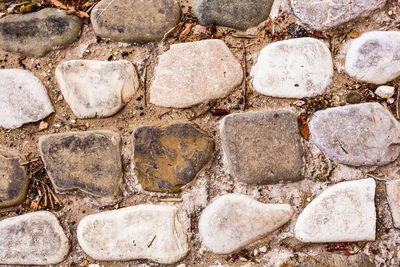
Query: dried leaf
(303, 126)
(81, 14)
(186, 31)
(24, 9)
(58, 4)
(354, 34)
(342, 37)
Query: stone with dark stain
(13, 179)
(168, 157)
(36, 34)
(86, 161)
(143, 21)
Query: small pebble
(263, 249)
(390, 101)
(385, 91)
(43, 125)
(353, 98)
(299, 103)
(255, 253)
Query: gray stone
(374, 57)
(232, 13)
(192, 73)
(86, 161)
(393, 193)
(321, 14)
(262, 147)
(224, 225)
(295, 68)
(23, 98)
(35, 34)
(143, 21)
(140, 232)
(34, 238)
(167, 158)
(96, 88)
(13, 179)
(344, 212)
(357, 135)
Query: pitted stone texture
(294, 68)
(193, 73)
(86, 161)
(357, 135)
(35, 34)
(321, 14)
(344, 212)
(393, 193)
(140, 232)
(166, 158)
(374, 57)
(13, 179)
(34, 238)
(143, 21)
(232, 13)
(23, 98)
(96, 88)
(262, 147)
(233, 221)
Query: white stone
(385, 91)
(96, 88)
(357, 135)
(192, 73)
(33, 238)
(344, 212)
(140, 232)
(23, 98)
(294, 68)
(393, 193)
(322, 14)
(374, 57)
(263, 249)
(233, 221)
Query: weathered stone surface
(374, 57)
(140, 232)
(262, 147)
(232, 13)
(192, 73)
(23, 98)
(86, 161)
(35, 34)
(233, 221)
(335, 260)
(295, 68)
(321, 14)
(168, 157)
(143, 21)
(13, 179)
(34, 238)
(385, 91)
(96, 88)
(357, 135)
(345, 212)
(393, 193)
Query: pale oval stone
(140, 232)
(234, 221)
(322, 14)
(96, 88)
(374, 57)
(344, 212)
(385, 91)
(34, 238)
(294, 68)
(192, 73)
(393, 193)
(23, 98)
(357, 135)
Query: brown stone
(168, 157)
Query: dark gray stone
(262, 147)
(237, 14)
(168, 157)
(135, 20)
(86, 161)
(36, 34)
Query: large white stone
(345, 212)
(96, 88)
(357, 135)
(192, 73)
(233, 221)
(140, 232)
(393, 193)
(34, 238)
(23, 98)
(293, 68)
(374, 57)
